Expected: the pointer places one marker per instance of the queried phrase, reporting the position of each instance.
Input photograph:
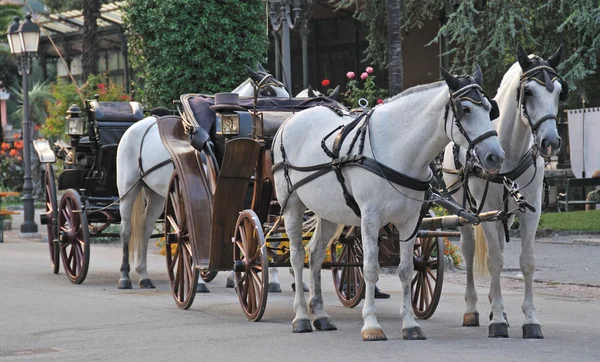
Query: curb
(589, 242)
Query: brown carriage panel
(195, 185)
(236, 170)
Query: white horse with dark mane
(385, 181)
(143, 200)
(528, 99)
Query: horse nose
(553, 144)
(494, 160)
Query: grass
(572, 221)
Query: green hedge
(184, 46)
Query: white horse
(143, 202)
(403, 135)
(528, 99)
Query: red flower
(36, 128)
(101, 86)
(380, 101)
(5, 146)
(13, 153)
(325, 82)
(125, 97)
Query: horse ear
(252, 74)
(523, 58)
(335, 94)
(478, 75)
(450, 80)
(554, 59)
(311, 93)
(260, 68)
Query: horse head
(472, 109)
(540, 90)
(267, 84)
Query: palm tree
(394, 24)
(7, 13)
(39, 96)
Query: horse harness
(540, 74)
(469, 92)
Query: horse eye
(466, 110)
(528, 92)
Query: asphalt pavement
(46, 318)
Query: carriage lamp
(228, 123)
(74, 122)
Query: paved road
(46, 318)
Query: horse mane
(415, 89)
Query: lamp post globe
(23, 40)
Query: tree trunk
(89, 52)
(394, 23)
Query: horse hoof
(413, 333)
(229, 283)
(301, 326)
(471, 320)
(498, 330)
(373, 334)
(202, 288)
(305, 287)
(505, 318)
(324, 324)
(124, 283)
(146, 284)
(274, 288)
(532, 331)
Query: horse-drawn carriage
(89, 202)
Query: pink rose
(364, 76)
(380, 101)
(350, 75)
(369, 70)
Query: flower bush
(364, 88)
(65, 94)
(11, 165)
(452, 251)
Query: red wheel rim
(426, 286)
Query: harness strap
(505, 219)
(155, 167)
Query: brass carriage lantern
(74, 122)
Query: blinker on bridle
(457, 110)
(532, 74)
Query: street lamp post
(23, 40)
(285, 16)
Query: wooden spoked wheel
(51, 217)
(428, 278)
(250, 264)
(74, 237)
(183, 274)
(348, 281)
(208, 276)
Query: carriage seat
(272, 121)
(116, 111)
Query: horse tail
(137, 230)
(481, 251)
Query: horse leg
(317, 250)
(528, 227)
(494, 234)
(410, 328)
(371, 330)
(274, 286)
(293, 226)
(154, 207)
(467, 246)
(230, 280)
(125, 208)
(304, 286)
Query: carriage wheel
(74, 237)
(51, 218)
(427, 281)
(183, 274)
(349, 281)
(208, 276)
(251, 265)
